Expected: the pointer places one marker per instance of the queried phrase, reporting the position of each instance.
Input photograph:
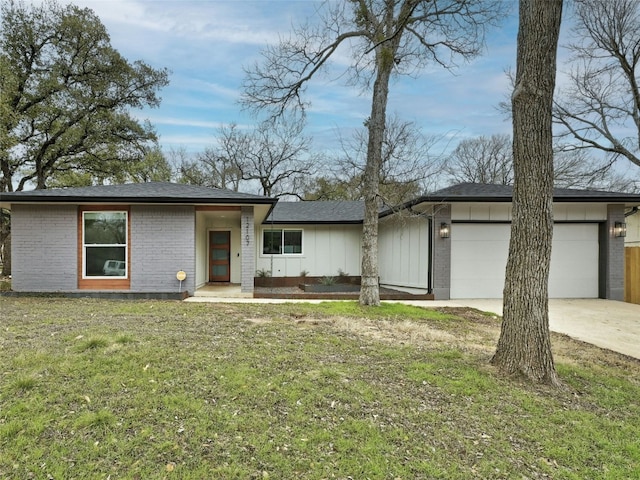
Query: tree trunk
(370, 288)
(524, 347)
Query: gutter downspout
(633, 211)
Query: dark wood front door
(219, 256)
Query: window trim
(103, 282)
(282, 230)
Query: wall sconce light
(619, 229)
(445, 230)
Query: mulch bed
(297, 293)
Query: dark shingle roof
(151, 192)
(327, 212)
(479, 192)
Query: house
(469, 230)
(139, 239)
(133, 238)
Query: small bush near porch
(150, 389)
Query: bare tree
(490, 160)
(482, 160)
(385, 38)
(524, 346)
(407, 164)
(578, 169)
(276, 155)
(210, 169)
(600, 109)
(273, 159)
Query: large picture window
(104, 244)
(281, 242)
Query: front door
(219, 256)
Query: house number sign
(246, 231)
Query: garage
(479, 258)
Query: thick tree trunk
(370, 287)
(524, 347)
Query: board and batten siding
(403, 249)
(501, 212)
(44, 248)
(325, 250)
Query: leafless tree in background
(273, 159)
(482, 160)
(408, 166)
(600, 108)
(490, 160)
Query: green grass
(118, 389)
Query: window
(282, 242)
(104, 244)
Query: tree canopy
(66, 96)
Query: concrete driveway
(605, 323)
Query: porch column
(248, 249)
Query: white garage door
(479, 258)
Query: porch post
(248, 249)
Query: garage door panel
(479, 257)
(478, 260)
(574, 261)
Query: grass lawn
(150, 389)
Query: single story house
(143, 238)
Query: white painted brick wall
(162, 243)
(44, 248)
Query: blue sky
(206, 44)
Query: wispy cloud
(206, 43)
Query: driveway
(605, 323)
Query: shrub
(263, 272)
(328, 280)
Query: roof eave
(138, 200)
(312, 222)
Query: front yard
(151, 389)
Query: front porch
(225, 250)
(231, 290)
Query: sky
(206, 44)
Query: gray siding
(442, 254)
(612, 256)
(162, 243)
(44, 248)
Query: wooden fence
(632, 275)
